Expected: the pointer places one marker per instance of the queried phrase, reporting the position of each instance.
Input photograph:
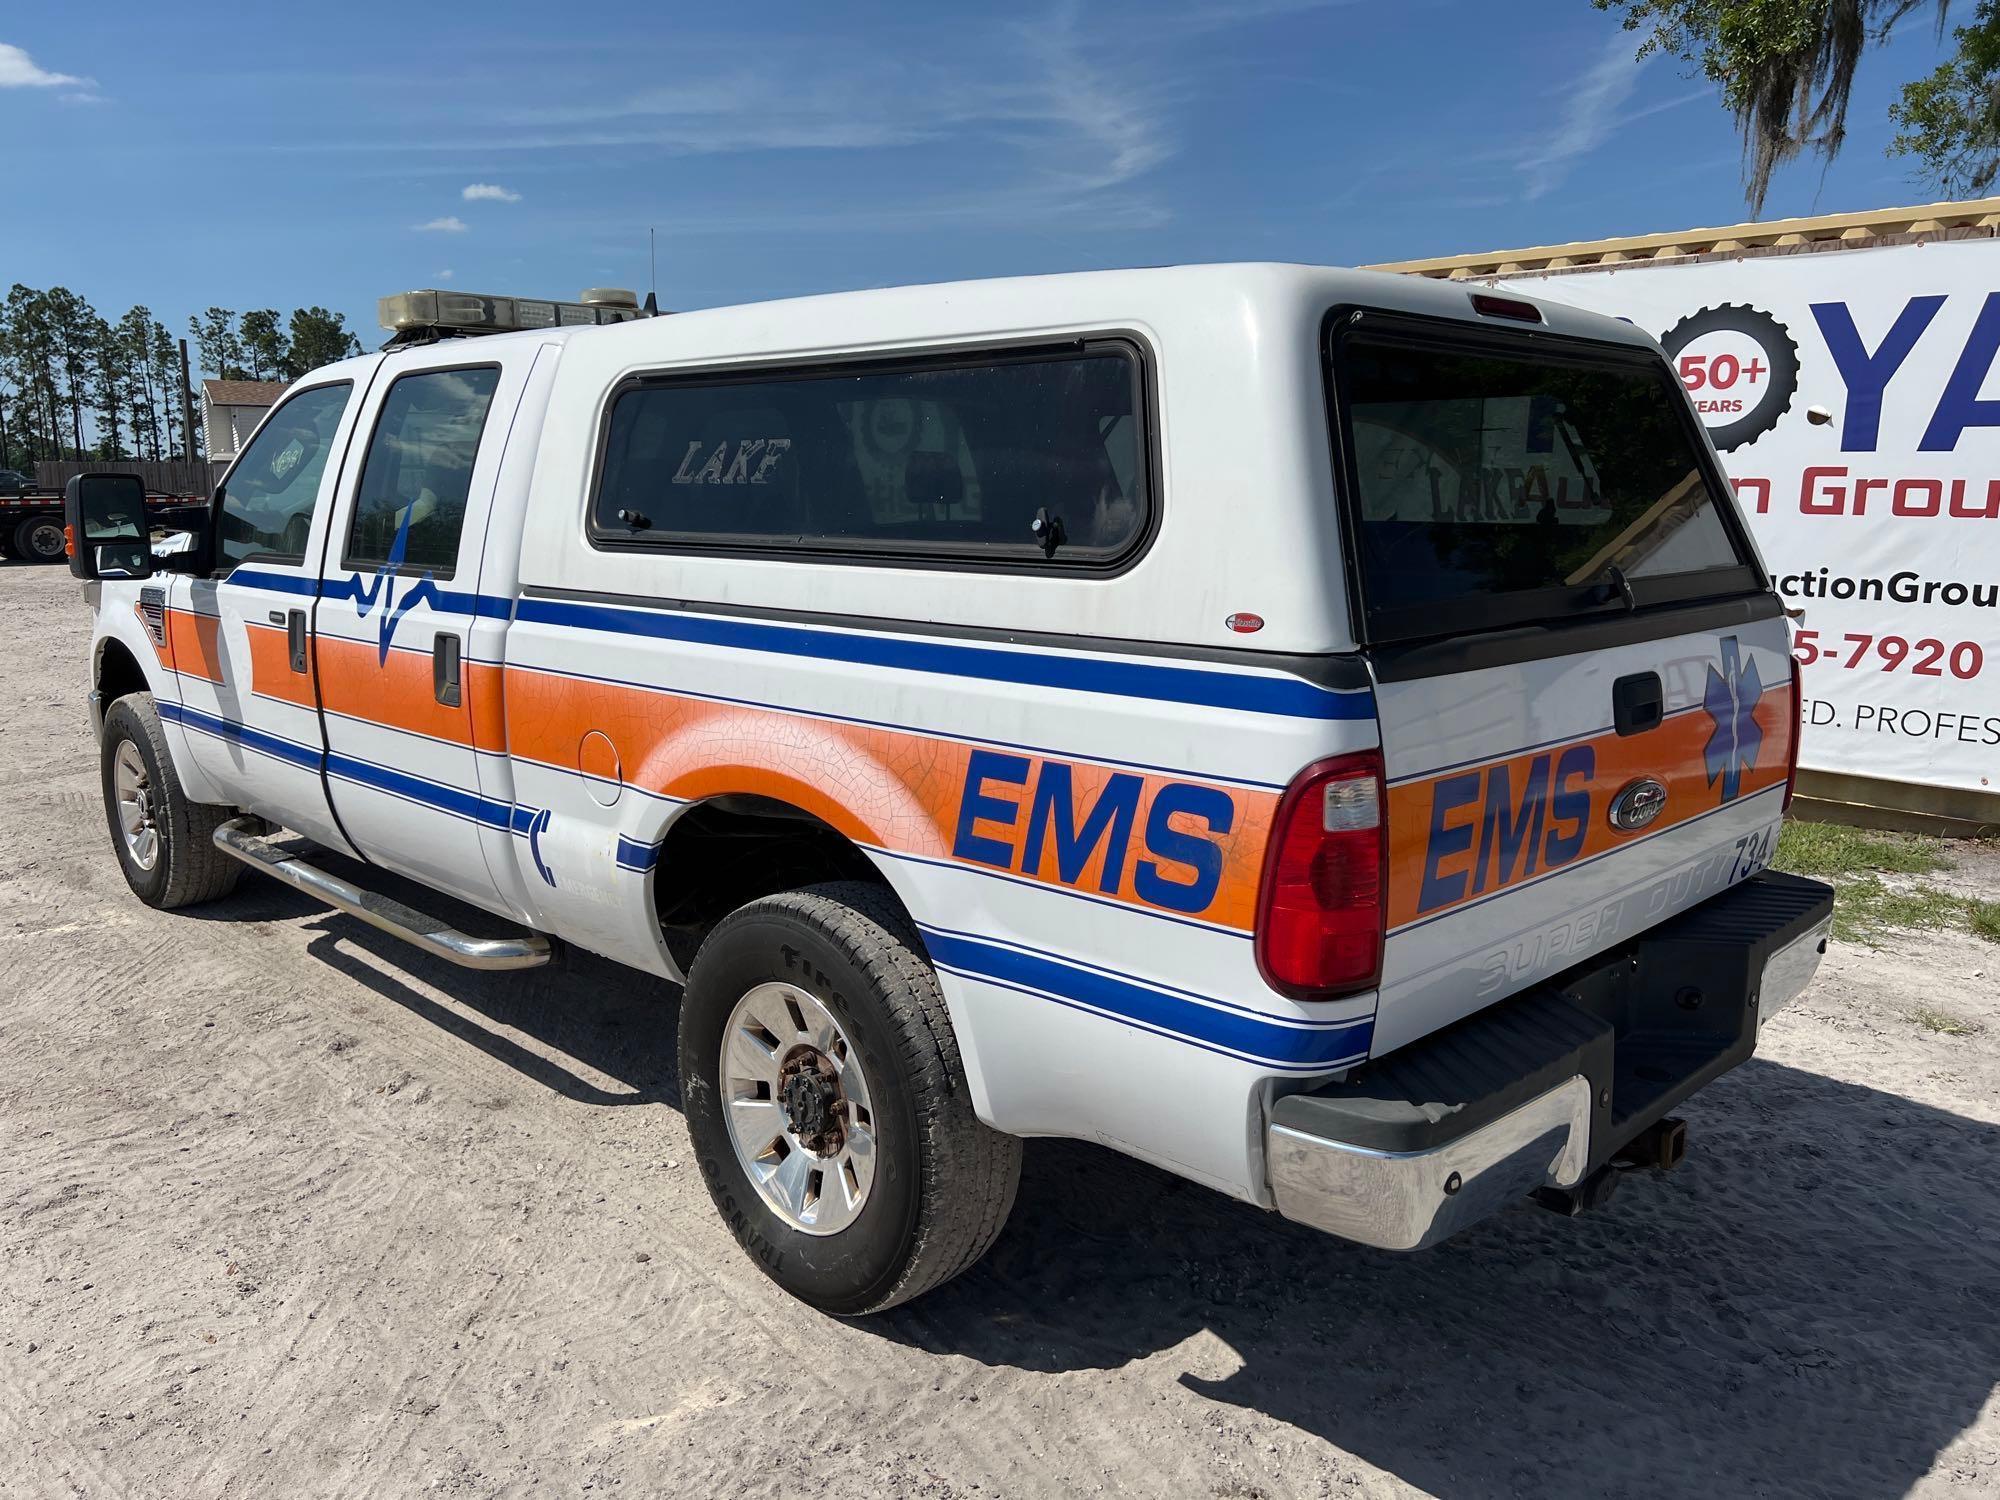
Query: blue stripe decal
(633, 855)
(1287, 696)
(352, 590)
(274, 583)
(448, 799)
(1266, 1039)
(242, 734)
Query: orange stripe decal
(193, 646)
(402, 694)
(271, 674)
(1143, 839)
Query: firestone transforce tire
(165, 843)
(828, 1106)
(40, 539)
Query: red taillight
(1319, 913)
(1798, 720)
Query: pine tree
(107, 387)
(319, 338)
(265, 346)
(134, 336)
(166, 366)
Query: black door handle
(295, 637)
(444, 670)
(1637, 703)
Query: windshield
(1494, 485)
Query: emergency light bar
(471, 312)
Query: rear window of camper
(1497, 483)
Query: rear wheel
(40, 539)
(165, 843)
(828, 1105)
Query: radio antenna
(652, 264)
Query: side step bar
(241, 838)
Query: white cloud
(489, 192)
(445, 274)
(19, 71)
(1590, 115)
(449, 224)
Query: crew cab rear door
(407, 707)
(1583, 677)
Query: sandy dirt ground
(286, 1209)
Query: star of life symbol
(1731, 698)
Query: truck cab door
(408, 705)
(241, 637)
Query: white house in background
(230, 412)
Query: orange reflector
(69, 541)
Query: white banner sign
(1883, 523)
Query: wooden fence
(168, 476)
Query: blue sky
(282, 155)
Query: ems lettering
(750, 462)
(1020, 814)
(1513, 826)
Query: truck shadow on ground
(1805, 1307)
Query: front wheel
(165, 843)
(828, 1106)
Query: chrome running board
(240, 838)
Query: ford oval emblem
(1637, 804)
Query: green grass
(1864, 907)
(1827, 850)
(1943, 1022)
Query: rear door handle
(295, 636)
(445, 670)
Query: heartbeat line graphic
(383, 588)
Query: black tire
(40, 539)
(188, 868)
(944, 1182)
(7, 553)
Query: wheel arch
(731, 847)
(116, 671)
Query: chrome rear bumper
(1409, 1200)
(1543, 1090)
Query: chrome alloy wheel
(134, 791)
(797, 1107)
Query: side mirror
(105, 518)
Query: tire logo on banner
(1740, 368)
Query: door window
(418, 471)
(267, 500)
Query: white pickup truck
(1318, 732)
